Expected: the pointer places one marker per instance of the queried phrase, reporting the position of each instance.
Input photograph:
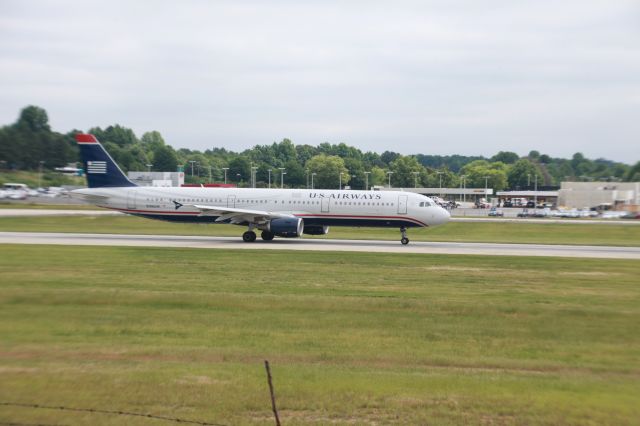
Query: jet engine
(288, 227)
(316, 229)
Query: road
(374, 246)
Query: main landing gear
(250, 236)
(404, 240)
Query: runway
(373, 246)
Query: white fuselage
(315, 206)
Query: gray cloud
(449, 77)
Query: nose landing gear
(404, 240)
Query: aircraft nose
(443, 216)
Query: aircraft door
(402, 204)
(131, 199)
(325, 205)
(231, 201)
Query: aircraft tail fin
(100, 168)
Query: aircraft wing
(236, 216)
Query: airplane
(283, 213)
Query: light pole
(40, 163)
(149, 168)
(225, 174)
(389, 174)
(440, 176)
(269, 178)
(254, 171)
(306, 172)
(463, 187)
(528, 180)
(535, 191)
(192, 163)
(312, 175)
(415, 179)
(210, 173)
(486, 184)
(366, 180)
(282, 173)
(340, 181)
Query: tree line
(29, 143)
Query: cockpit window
(422, 204)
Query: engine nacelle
(316, 229)
(288, 227)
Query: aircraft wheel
(404, 241)
(267, 235)
(249, 237)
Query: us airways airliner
(275, 212)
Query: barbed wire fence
(131, 414)
(113, 412)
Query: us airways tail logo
(177, 204)
(346, 196)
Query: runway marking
(372, 246)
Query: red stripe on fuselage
(328, 216)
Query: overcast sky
(435, 77)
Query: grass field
(501, 232)
(352, 339)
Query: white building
(594, 194)
(157, 178)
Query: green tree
(403, 168)
(164, 159)
(506, 157)
(151, 140)
(34, 119)
(327, 169)
(522, 174)
(481, 172)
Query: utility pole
(40, 163)
(312, 175)
(389, 174)
(535, 193)
(225, 174)
(282, 173)
(192, 163)
(366, 178)
(307, 173)
(254, 172)
(463, 187)
(269, 178)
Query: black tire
(249, 237)
(267, 235)
(404, 241)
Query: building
(157, 178)
(615, 195)
(451, 194)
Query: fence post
(273, 396)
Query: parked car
(496, 212)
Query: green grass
(34, 205)
(501, 232)
(352, 338)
